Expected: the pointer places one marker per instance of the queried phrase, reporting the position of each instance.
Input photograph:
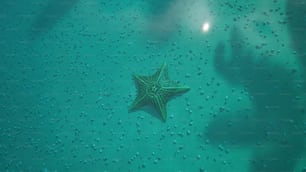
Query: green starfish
(156, 90)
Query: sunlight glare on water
(205, 26)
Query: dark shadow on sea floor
(163, 19)
(158, 7)
(273, 129)
(50, 15)
(296, 16)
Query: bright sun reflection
(205, 27)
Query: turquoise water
(66, 85)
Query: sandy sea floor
(66, 84)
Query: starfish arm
(160, 104)
(141, 84)
(138, 102)
(140, 80)
(173, 91)
(161, 72)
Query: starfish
(156, 90)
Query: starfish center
(154, 89)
